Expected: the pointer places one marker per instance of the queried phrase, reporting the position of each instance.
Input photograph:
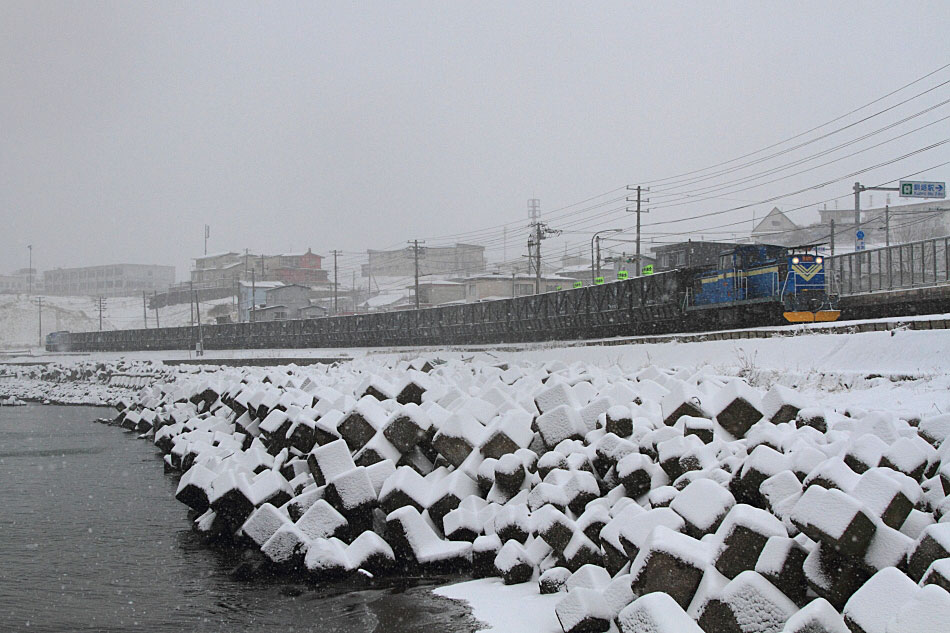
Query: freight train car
(753, 285)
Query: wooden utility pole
(144, 310)
(100, 313)
(155, 307)
(39, 306)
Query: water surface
(92, 539)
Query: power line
(666, 180)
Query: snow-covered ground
(19, 316)
(856, 470)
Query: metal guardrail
(908, 265)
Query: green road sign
(578, 284)
(923, 189)
(557, 288)
(598, 280)
(648, 269)
(622, 274)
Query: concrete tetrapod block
(835, 519)
(457, 438)
(329, 460)
(832, 576)
(703, 504)
(737, 408)
(670, 562)
(933, 545)
(414, 541)
(513, 564)
(871, 606)
(407, 428)
(583, 611)
(656, 612)
(781, 562)
(748, 604)
(484, 550)
(818, 616)
(371, 553)
(554, 580)
(743, 534)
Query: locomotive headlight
(819, 259)
(794, 260)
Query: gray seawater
(92, 539)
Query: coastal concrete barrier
(661, 500)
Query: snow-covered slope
(19, 316)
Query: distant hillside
(19, 326)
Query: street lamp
(595, 269)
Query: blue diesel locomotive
(766, 274)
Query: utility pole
(207, 235)
(414, 244)
(191, 307)
(336, 286)
(29, 271)
(39, 305)
(858, 188)
(201, 347)
(144, 310)
(100, 313)
(639, 209)
(832, 238)
(263, 272)
(534, 214)
(595, 260)
(541, 232)
(250, 311)
(597, 238)
(155, 307)
(537, 260)
(857, 215)
(887, 224)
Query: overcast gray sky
(125, 127)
